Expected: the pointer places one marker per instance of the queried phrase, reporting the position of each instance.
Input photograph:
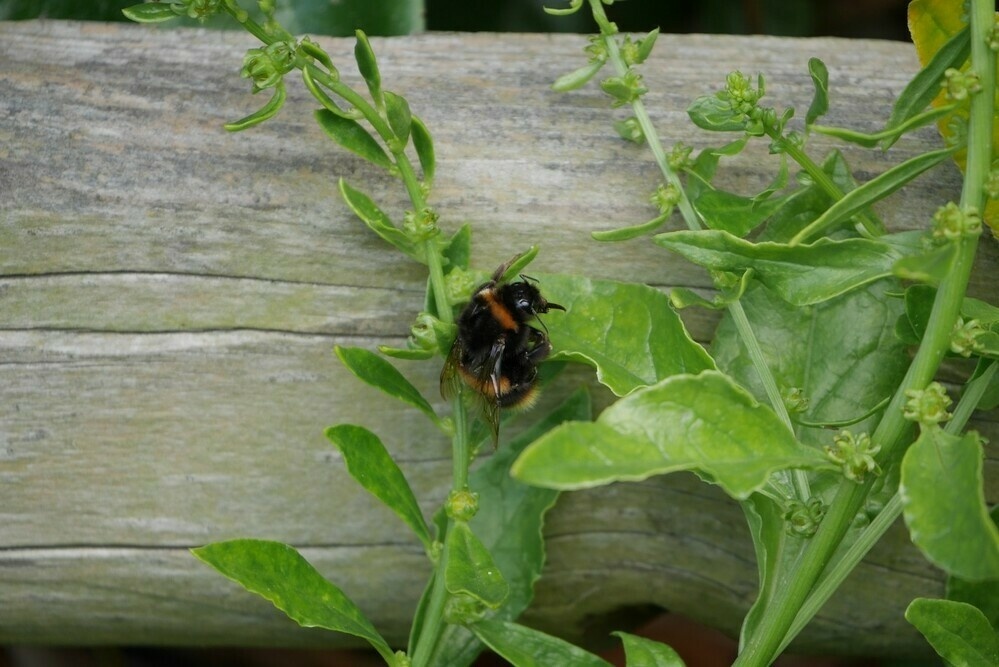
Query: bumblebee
(496, 352)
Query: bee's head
(526, 302)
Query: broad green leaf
(927, 265)
(351, 135)
(377, 220)
(577, 78)
(876, 189)
(280, 574)
(958, 632)
(399, 117)
(627, 332)
(804, 274)
(265, 112)
(368, 67)
(687, 422)
(370, 464)
(820, 102)
(711, 113)
(735, 214)
(378, 373)
(509, 522)
(856, 330)
(470, 568)
(944, 504)
(523, 647)
(705, 165)
(805, 204)
(424, 145)
(981, 594)
(642, 652)
(150, 12)
(925, 86)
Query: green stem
(893, 432)
(870, 535)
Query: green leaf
(470, 568)
(877, 188)
(981, 594)
(280, 574)
(925, 86)
(509, 522)
(927, 266)
(820, 102)
(642, 652)
(370, 464)
(378, 221)
(887, 136)
(524, 647)
(626, 331)
(944, 504)
(368, 67)
(632, 232)
(155, 12)
(399, 117)
(803, 274)
(645, 46)
(715, 115)
(958, 632)
(265, 112)
(578, 78)
(378, 373)
(735, 214)
(424, 145)
(855, 329)
(351, 135)
(687, 422)
(805, 204)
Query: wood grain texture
(170, 295)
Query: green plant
(484, 545)
(821, 471)
(835, 457)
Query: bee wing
(450, 377)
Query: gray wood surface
(170, 295)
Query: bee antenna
(527, 278)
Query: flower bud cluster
(927, 406)
(854, 454)
(951, 222)
(960, 85)
(966, 337)
(267, 66)
(803, 519)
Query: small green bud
(459, 283)
(630, 130)
(421, 226)
(430, 333)
(794, 399)
(436, 549)
(267, 66)
(960, 85)
(927, 406)
(804, 518)
(596, 49)
(197, 9)
(724, 280)
(624, 89)
(679, 157)
(463, 609)
(854, 454)
(401, 660)
(951, 222)
(462, 505)
(993, 35)
(965, 339)
(992, 182)
(665, 197)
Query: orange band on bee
(499, 311)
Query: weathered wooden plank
(170, 294)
